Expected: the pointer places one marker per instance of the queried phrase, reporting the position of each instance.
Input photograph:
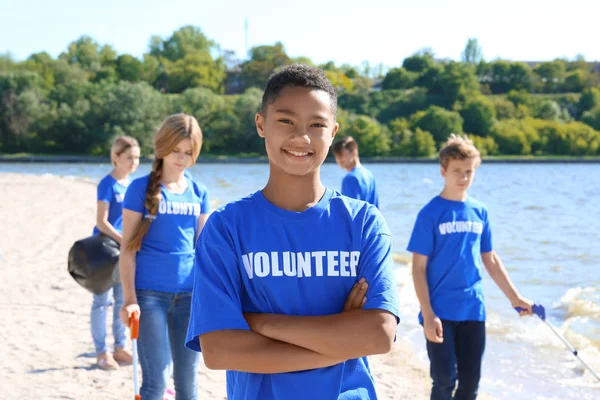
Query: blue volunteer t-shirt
(359, 184)
(165, 260)
(253, 256)
(112, 192)
(453, 234)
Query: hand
(524, 303)
(127, 311)
(357, 297)
(434, 332)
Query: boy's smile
(298, 128)
(297, 154)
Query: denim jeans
(164, 322)
(458, 357)
(100, 305)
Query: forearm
(106, 228)
(498, 273)
(127, 274)
(422, 291)
(246, 351)
(346, 335)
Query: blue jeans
(459, 356)
(164, 322)
(100, 304)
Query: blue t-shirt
(359, 184)
(165, 260)
(453, 234)
(112, 192)
(253, 256)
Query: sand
(46, 349)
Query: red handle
(134, 325)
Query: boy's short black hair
(298, 75)
(346, 143)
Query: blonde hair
(120, 145)
(458, 147)
(172, 131)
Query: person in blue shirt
(451, 239)
(163, 214)
(359, 183)
(125, 158)
(274, 270)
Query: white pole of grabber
(573, 350)
(135, 367)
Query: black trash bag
(93, 263)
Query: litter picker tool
(134, 326)
(540, 311)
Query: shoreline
(217, 159)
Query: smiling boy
(274, 269)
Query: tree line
(77, 102)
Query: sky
(376, 31)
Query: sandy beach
(45, 342)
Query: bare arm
(346, 335)
(246, 351)
(201, 222)
(496, 269)
(431, 323)
(102, 222)
(419, 272)
(131, 220)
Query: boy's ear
(335, 130)
(443, 171)
(260, 124)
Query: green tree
(185, 41)
(21, 93)
(505, 76)
(479, 115)
(264, 60)
(84, 52)
(505, 109)
(486, 145)
(7, 63)
(371, 136)
(340, 81)
(548, 109)
(195, 70)
(398, 78)
(573, 138)
(438, 121)
(405, 142)
(592, 118)
(129, 68)
(431, 79)
(419, 62)
(403, 105)
(472, 53)
(551, 74)
(575, 81)
(458, 81)
(590, 98)
(514, 137)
